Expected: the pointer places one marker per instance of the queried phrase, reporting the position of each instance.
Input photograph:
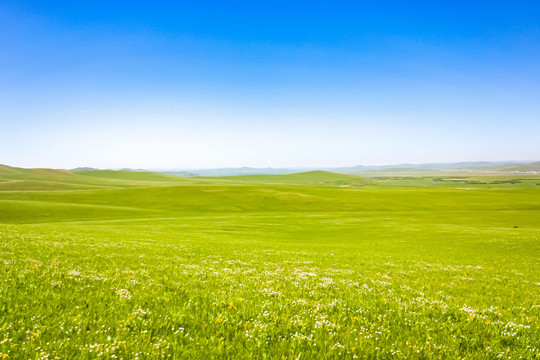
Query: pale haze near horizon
(206, 87)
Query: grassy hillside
(128, 175)
(14, 179)
(318, 178)
(13, 173)
(284, 266)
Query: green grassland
(316, 265)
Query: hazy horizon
(495, 162)
(281, 85)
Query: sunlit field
(122, 265)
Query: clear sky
(199, 84)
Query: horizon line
(279, 168)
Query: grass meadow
(122, 265)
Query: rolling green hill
(317, 178)
(12, 178)
(133, 264)
(8, 172)
(128, 175)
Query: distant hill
(126, 175)
(405, 168)
(9, 172)
(16, 179)
(358, 169)
(534, 166)
(477, 166)
(317, 177)
(19, 179)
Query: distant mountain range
(473, 167)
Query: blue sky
(198, 84)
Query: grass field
(123, 265)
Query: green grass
(130, 265)
(317, 178)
